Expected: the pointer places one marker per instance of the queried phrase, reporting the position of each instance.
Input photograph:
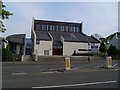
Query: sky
(97, 17)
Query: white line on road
(18, 73)
(114, 65)
(46, 72)
(116, 69)
(99, 65)
(73, 85)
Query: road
(53, 75)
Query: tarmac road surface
(54, 75)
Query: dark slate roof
(16, 38)
(68, 37)
(73, 37)
(112, 35)
(42, 35)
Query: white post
(36, 56)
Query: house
(19, 44)
(60, 38)
(114, 39)
(16, 43)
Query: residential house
(16, 43)
(114, 39)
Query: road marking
(46, 72)
(114, 65)
(116, 69)
(99, 65)
(73, 85)
(18, 73)
(52, 69)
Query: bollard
(36, 58)
(108, 62)
(67, 63)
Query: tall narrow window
(50, 27)
(42, 27)
(63, 28)
(47, 27)
(60, 28)
(66, 28)
(74, 29)
(77, 29)
(71, 30)
(38, 27)
(57, 28)
(53, 27)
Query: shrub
(6, 55)
(102, 48)
(113, 52)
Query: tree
(112, 51)
(102, 48)
(4, 14)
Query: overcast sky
(97, 17)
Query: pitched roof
(112, 35)
(68, 37)
(16, 38)
(42, 35)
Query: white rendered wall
(69, 47)
(44, 45)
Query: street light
(88, 51)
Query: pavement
(54, 75)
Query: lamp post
(88, 51)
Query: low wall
(26, 58)
(50, 58)
(72, 58)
